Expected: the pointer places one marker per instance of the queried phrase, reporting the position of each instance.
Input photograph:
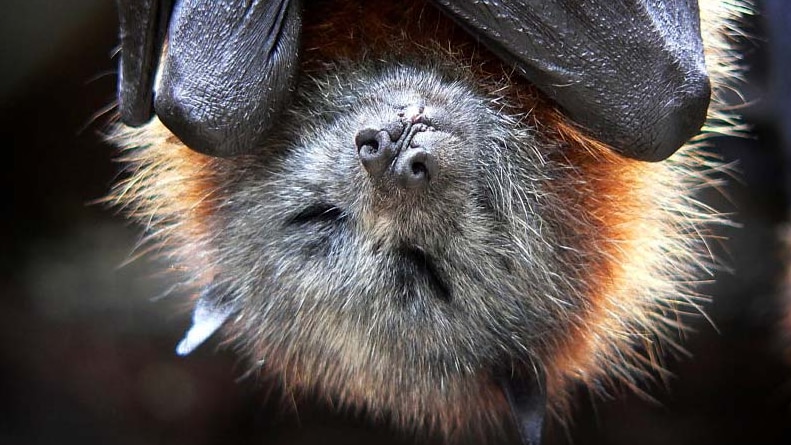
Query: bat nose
(394, 152)
(415, 168)
(376, 150)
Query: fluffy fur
(536, 248)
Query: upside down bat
(422, 234)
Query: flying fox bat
(415, 231)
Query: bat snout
(402, 153)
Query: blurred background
(86, 350)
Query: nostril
(419, 169)
(375, 150)
(416, 168)
(367, 138)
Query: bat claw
(208, 316)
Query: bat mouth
(317, 213)
(419, 265)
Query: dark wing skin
(226, 74)
(631, 71)
(143, 24)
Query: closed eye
(317, 213)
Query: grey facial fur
(454, 278)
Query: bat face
(384, 227)
(422, 226)
(400, 244)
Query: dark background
(86, 352)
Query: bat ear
(527, 398)
(142, 25)
(208, 315)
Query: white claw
(207, 317)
